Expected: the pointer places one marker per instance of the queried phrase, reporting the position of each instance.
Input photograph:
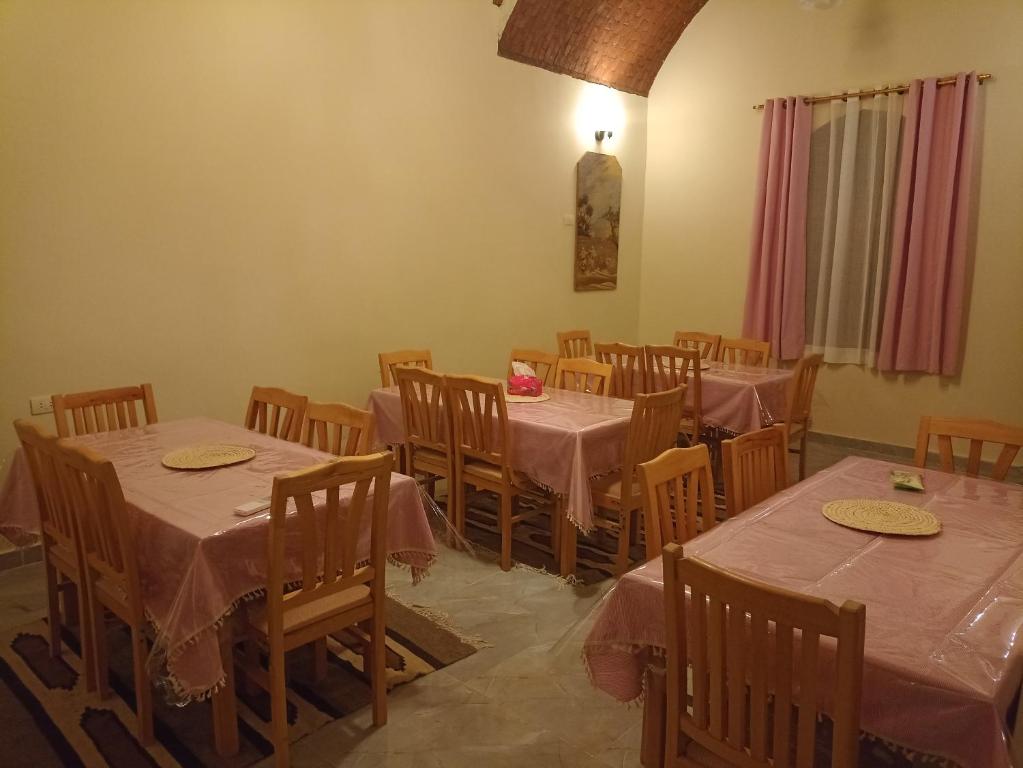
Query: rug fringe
(563, 581)
(443, 620)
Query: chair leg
(378, 666)
(624, 532)
(568, 546)
(143, 692)
(557, 512)
(278, 707)
(802, 456)
(506, 528)
(53, 608)
(320, 660)
(88, 634)
(99, 647)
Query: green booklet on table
(907, 481)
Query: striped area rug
(48, 719)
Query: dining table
(198, 560)
(942, 660)
(559, 443)
(740, 398)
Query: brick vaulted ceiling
(620, 43)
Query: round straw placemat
(878, 516)
(207, 456)
(510, 398)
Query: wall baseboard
(899, 452)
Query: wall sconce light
(601, 135)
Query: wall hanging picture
(597, 217)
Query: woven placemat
(509, 398)
(878, 516)
(207, 456)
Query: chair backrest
(754, 652)
(103, 410)
(328, 539)
(755, 466)
(668, 367)
(543, 363)
(800, 389)
(56, 518)
(653, 429)
(276, 412)
(575, 344)
(92, 489)
(627, 368)
(744, 352)
(423, 408)
(580, 374)
(977, 432)
(678, 489)
(705, 343)
(479, 420)
(338, 428)
(417, 358)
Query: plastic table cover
(198, 561)
(942, 661)
(559, 443)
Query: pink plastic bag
(525, 385)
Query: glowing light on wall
(599, 114)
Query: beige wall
(702, 146)
(208, 195)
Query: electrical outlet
(40, 404)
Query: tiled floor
(525, 701)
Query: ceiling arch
(619, 43)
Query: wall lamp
(601, 135)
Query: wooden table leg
(568, 545)
(225, 707)
(654, 705)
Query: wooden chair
(745, 352)
(417, 358)
(63, 560)
(336, 591)
(338, 428)
(753, 653)
(627, 368)
(977, 432)
(544, 363)
(704, 343)
(276, 412)
(89, 483)
(104, 410)
(652, 430)
(574, 344)
(427, 426)
(799, 401)
(678, 497)
(479, 420)
(668, 367)
(755, 467)
(581, 374)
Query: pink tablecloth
(942, 663)
(741, 398)
(560, 443)
(197, 559)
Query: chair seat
(64, 561)
(609, 488)
(429, 460)
(314, 610)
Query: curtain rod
(878, 91)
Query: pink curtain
(776, 288)
(923, 316)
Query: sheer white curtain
(853, 172)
